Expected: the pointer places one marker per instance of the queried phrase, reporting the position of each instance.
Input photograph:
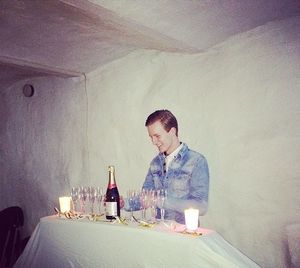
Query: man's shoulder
(196, 154)
(189, 153)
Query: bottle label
(111, 209)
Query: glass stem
(162, 214)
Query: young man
(183, 173)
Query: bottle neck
(111, 178)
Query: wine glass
(161, 198)
(83, 195)
(92, 195)
(142, 202)
(145, 200)
(75, 197)
(131, 197)
(153, 204)
(100, 198)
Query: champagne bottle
(112, 200)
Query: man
(183, 173)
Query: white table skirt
(58, 242)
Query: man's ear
(173, 130)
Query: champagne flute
(83, 197)
(92, 197)
(131, 197)
(153, 204)
(100, 199)
(161, 198)
(74, 196)
(145, 200)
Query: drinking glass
(100, 199)
(92, 195)
(153, 204)
(83, 195)
(75, 197)
(132, 195)
(161, 198)
(145, 200)
(142, 202)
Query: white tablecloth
(58, 242)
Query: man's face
(162, 139)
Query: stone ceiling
(72, 37)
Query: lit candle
(65, 204)
(191, 219)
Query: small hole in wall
(28, 90)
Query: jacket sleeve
(149, 182)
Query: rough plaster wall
(238, 104)
(43, 145)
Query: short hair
(167, 119)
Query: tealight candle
(191, 219)
(65, 204)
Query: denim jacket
(186, 182)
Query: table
(58, 242)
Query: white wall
(237, 103)
(43, 144)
